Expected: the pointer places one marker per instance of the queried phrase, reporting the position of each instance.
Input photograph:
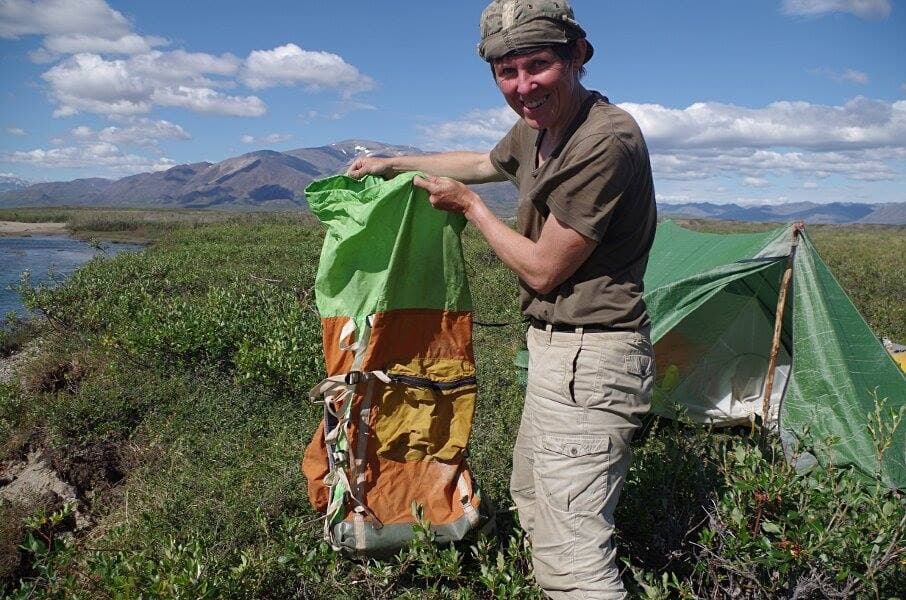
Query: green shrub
(188, 364)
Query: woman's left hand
(447, 194)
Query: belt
(591, 328)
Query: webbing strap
(336, 392)
(358, 528)
(465, 499)
(343, 382)
(348, 329)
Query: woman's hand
(448, 194)
(371, 165)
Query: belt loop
(549, 330)
(581, 331)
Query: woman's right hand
(371, 165)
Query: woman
(586, 221)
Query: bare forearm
(542, 265)
(516, 251)
(467, 167)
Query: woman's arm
(542, 265)
(467, 167)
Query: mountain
(11, 182)
(810, 212)
(80, 192)
(269, 180)
(264, 179)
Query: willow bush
(173, 388)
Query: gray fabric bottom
(390, 538)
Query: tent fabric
(712, 300)
(396, 313)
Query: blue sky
(751, 102)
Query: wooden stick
(778, 325)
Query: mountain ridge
(271, 180)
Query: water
(47, 257)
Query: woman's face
(541, 87)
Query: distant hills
(833, 213)
(261, 180)
(270, 180)
(11, 182)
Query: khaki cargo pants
(586, 392)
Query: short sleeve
(505, 157)
(587, 187)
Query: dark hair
(565, 52)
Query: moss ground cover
(170, 391)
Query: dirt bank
(19, 228)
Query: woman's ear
(580, 51)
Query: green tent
(713, 301)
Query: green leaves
(780, 529)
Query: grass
(172, 392)
(137, 225)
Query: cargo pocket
(641, 365)
(571, 471)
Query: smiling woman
(586, 222)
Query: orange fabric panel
(336, 360)
(399, 336)
(431, 484)
(419, 425)
(314, 467)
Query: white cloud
(16, 131)
(57, 45)
(82, 132)
(82, 37)
(860, 123)
(760, 200)
(853, 76)
(179, 66)
(205, 100)
(847, 76)
(273, 138)
(810, 185)
(141, 132)
(60, 17)
(864, 9)
(94, 155)
(89, 82)
(756, 182)
(291, 65)
(696, 164)
(477, 129)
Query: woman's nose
(524, 82)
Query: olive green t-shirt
(598, 182)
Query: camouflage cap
(509, 25)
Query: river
(47, 258)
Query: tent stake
(778, 325)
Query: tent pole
(778, 324)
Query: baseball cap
(509, 25)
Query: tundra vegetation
(168, 387)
